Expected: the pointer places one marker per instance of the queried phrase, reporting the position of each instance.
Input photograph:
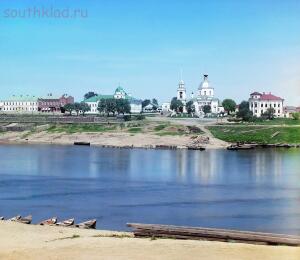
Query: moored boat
(1, 218)
(66, 223)
(90, 224)
(25, 220)
(50, 221)
(15, 218)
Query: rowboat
(25, 220)
(66, 223)
(50, 221)
(1, 218)
(90, 224)
(20, 219)
(15, 218)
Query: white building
(259, 104)
(166, 106)
(20, 104)
(135, 104)
(205, 96)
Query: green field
(276, 121)
(258, 134)
(80, 128)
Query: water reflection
(255, 190)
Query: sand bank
(19, 241)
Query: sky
(243, 46)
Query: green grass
(276, 121)
(171, 133)
(135, 130)
(257, 134)
(160, 127)
(79, 128)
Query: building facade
(54, 104)
(205, 96)
(135, 104)
(259, 103)
(20, 104)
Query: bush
(296, 115)
(127, 118)
(140, 117)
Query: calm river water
(248, 190)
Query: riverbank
(19, 241)
(144, 134)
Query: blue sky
(242, 45)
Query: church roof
(205, 83)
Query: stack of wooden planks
(213, 234)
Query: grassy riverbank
(259, 134)
(160, 129)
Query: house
(166, 106)
(20, 104)
(135, 104)
(289, 110)
(54, 104)
(150, 108)
(259, 103)
(205, 96)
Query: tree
(123, 106)
(206, 109)
(244, 111)
(102, 106)
(77, 107)
(154, 101)
(111, 106)
(269, 114)
(90, 94)
(145, 103)
(69, 108)
(84, 107)
(155, 104)
(176, 105)
(190, 107)
(229, 105)
(296, 115)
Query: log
(197, 233)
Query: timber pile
(213, 234)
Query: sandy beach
(19, 241)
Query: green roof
(97, 98)
(22, 98)
(120, 89)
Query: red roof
(269, 97)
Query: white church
(205, 96)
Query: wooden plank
(213, 234)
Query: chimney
(205, 76)
(192, 95)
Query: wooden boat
(15, 218)
(20, 219)
(90, 224)
(66, 223)
(82, 143)
(235, 147)
(50, 221)
(25, 220)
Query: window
(278, 104)
(278, 111)
(262, 105)
(255, 104)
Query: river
(255, 190)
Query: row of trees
(105, 106)
(81, 107)
(113, 106)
